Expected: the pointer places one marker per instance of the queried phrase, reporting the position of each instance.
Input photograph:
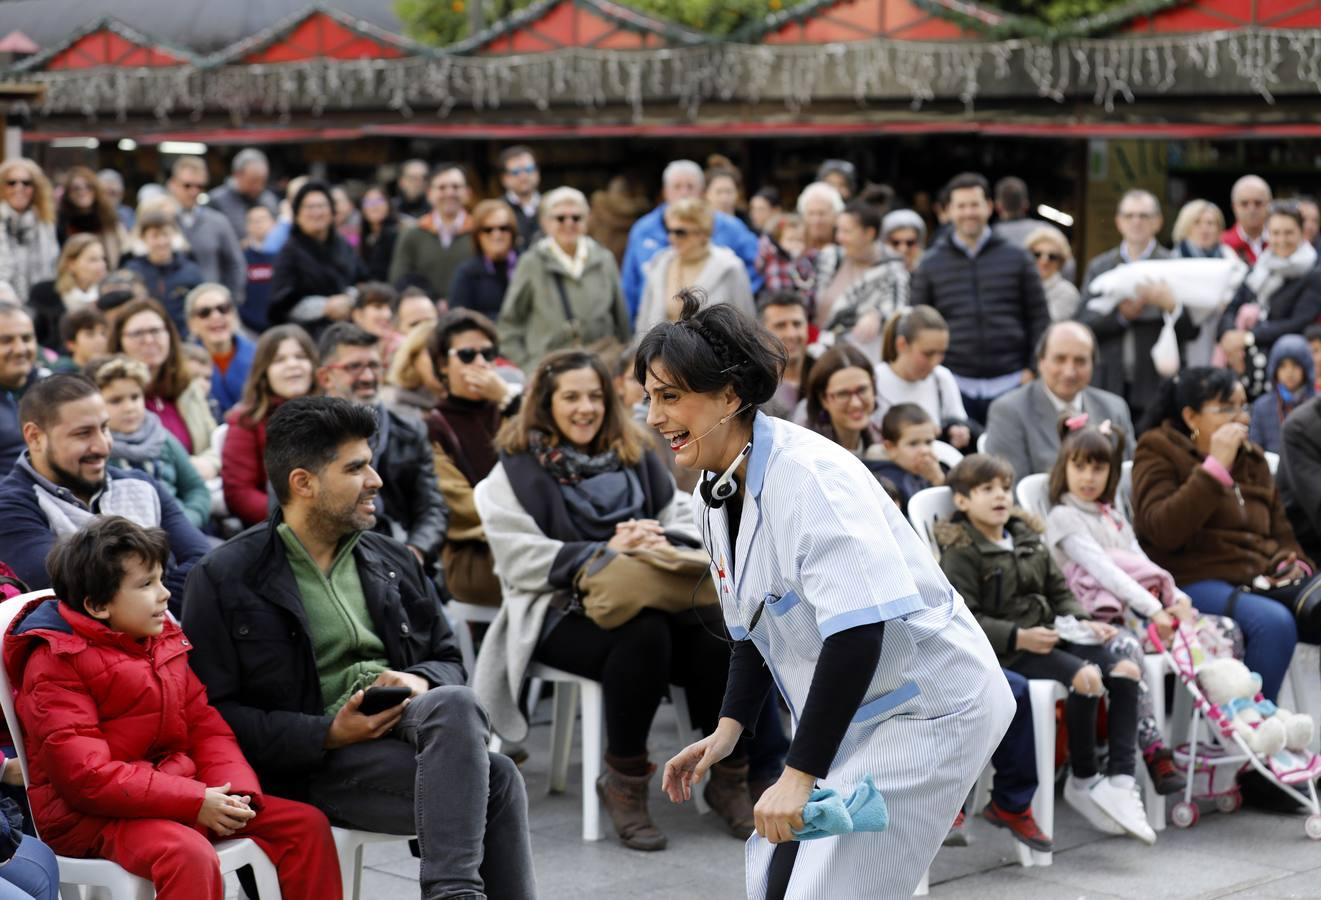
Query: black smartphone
(379, 699)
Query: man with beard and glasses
(18, 372)
(409, 505)
(61, 482)
(304, 613)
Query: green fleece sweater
(349, 653)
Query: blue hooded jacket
(1271, 409)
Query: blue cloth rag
(828, 814)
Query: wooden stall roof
(591, 24)
(317, 32)
(107, 42)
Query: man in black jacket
(989, 292)
(409, 506)
(292, 619)
(1299, 474)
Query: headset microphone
(716, 492)
(694, 440)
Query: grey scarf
(141, 446)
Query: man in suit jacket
(1127, 334)
(520, 178)
(1023, 425)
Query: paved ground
(1247, 855)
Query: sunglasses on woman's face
(901, 243)
(468, 355)
(575, 218)
(18, 182)
(680, 233)
(1045, 254)
(497, 229)
(204, 312)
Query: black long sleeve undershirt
(843, 671)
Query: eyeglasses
(1126, 216)
(575, 218)
(468, 355)
(1046, 254)
(1234, 410)
(679, 232)
(357, 368)
(902, 244)
(143, 334)
(521, 170)
(19, 182)
(79, 187)
(192, 185)
(863, 393)
(204, 312)
(497, 229)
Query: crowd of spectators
(311, 417)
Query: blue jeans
(32, 873)
(1015, 760)
(1269, 631)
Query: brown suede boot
(625, 799)
(727, 794)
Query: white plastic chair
(101, 873)
(462, 616)
(1301, 692)
(567, 690)
(1124, 493)
(1272, 461)
(348, 847)
(982, 442)
(925, 509)
(1033, 494)
(947, 454)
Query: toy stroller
(1211, 766)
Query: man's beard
(338, 521)
(80, 486)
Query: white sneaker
(1078, 794)
(1119, 798)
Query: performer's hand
(779, 812)
(689, 766)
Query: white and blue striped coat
(826, 549)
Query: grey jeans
(433, 776)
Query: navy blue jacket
(26, 538)
(227, 388)
(11, 430)
(168, 284)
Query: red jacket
(114, 728)
(1234, 241)
(243, 469)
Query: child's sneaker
(1078, 794)
(1118, 797)
(1023, 826)
(958, 834)
(1165, 775)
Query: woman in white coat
(884, 671)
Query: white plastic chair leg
(923, 886)
(561, 734)
(593, 750)
(1301, 692)
(684, 722)
(1153, 673)
(1043, 695)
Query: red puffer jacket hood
(113, 727)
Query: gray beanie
(904, 218)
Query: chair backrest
(981, 442)
(947, 454)
(218, 437)
(1272, 460)
(1033, 494)
(1124, 494)
(925, 509)
(8, 611)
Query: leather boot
(625, 799)
(726, 792)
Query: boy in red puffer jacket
(128, 761)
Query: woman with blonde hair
(28, 246)
(578, 487)
(1196, 235)
(1051, 251)
(77, 282)
(411, 385)
(692, 261)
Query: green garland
(999, 25)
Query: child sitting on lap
(993, 555)
(128, 761)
